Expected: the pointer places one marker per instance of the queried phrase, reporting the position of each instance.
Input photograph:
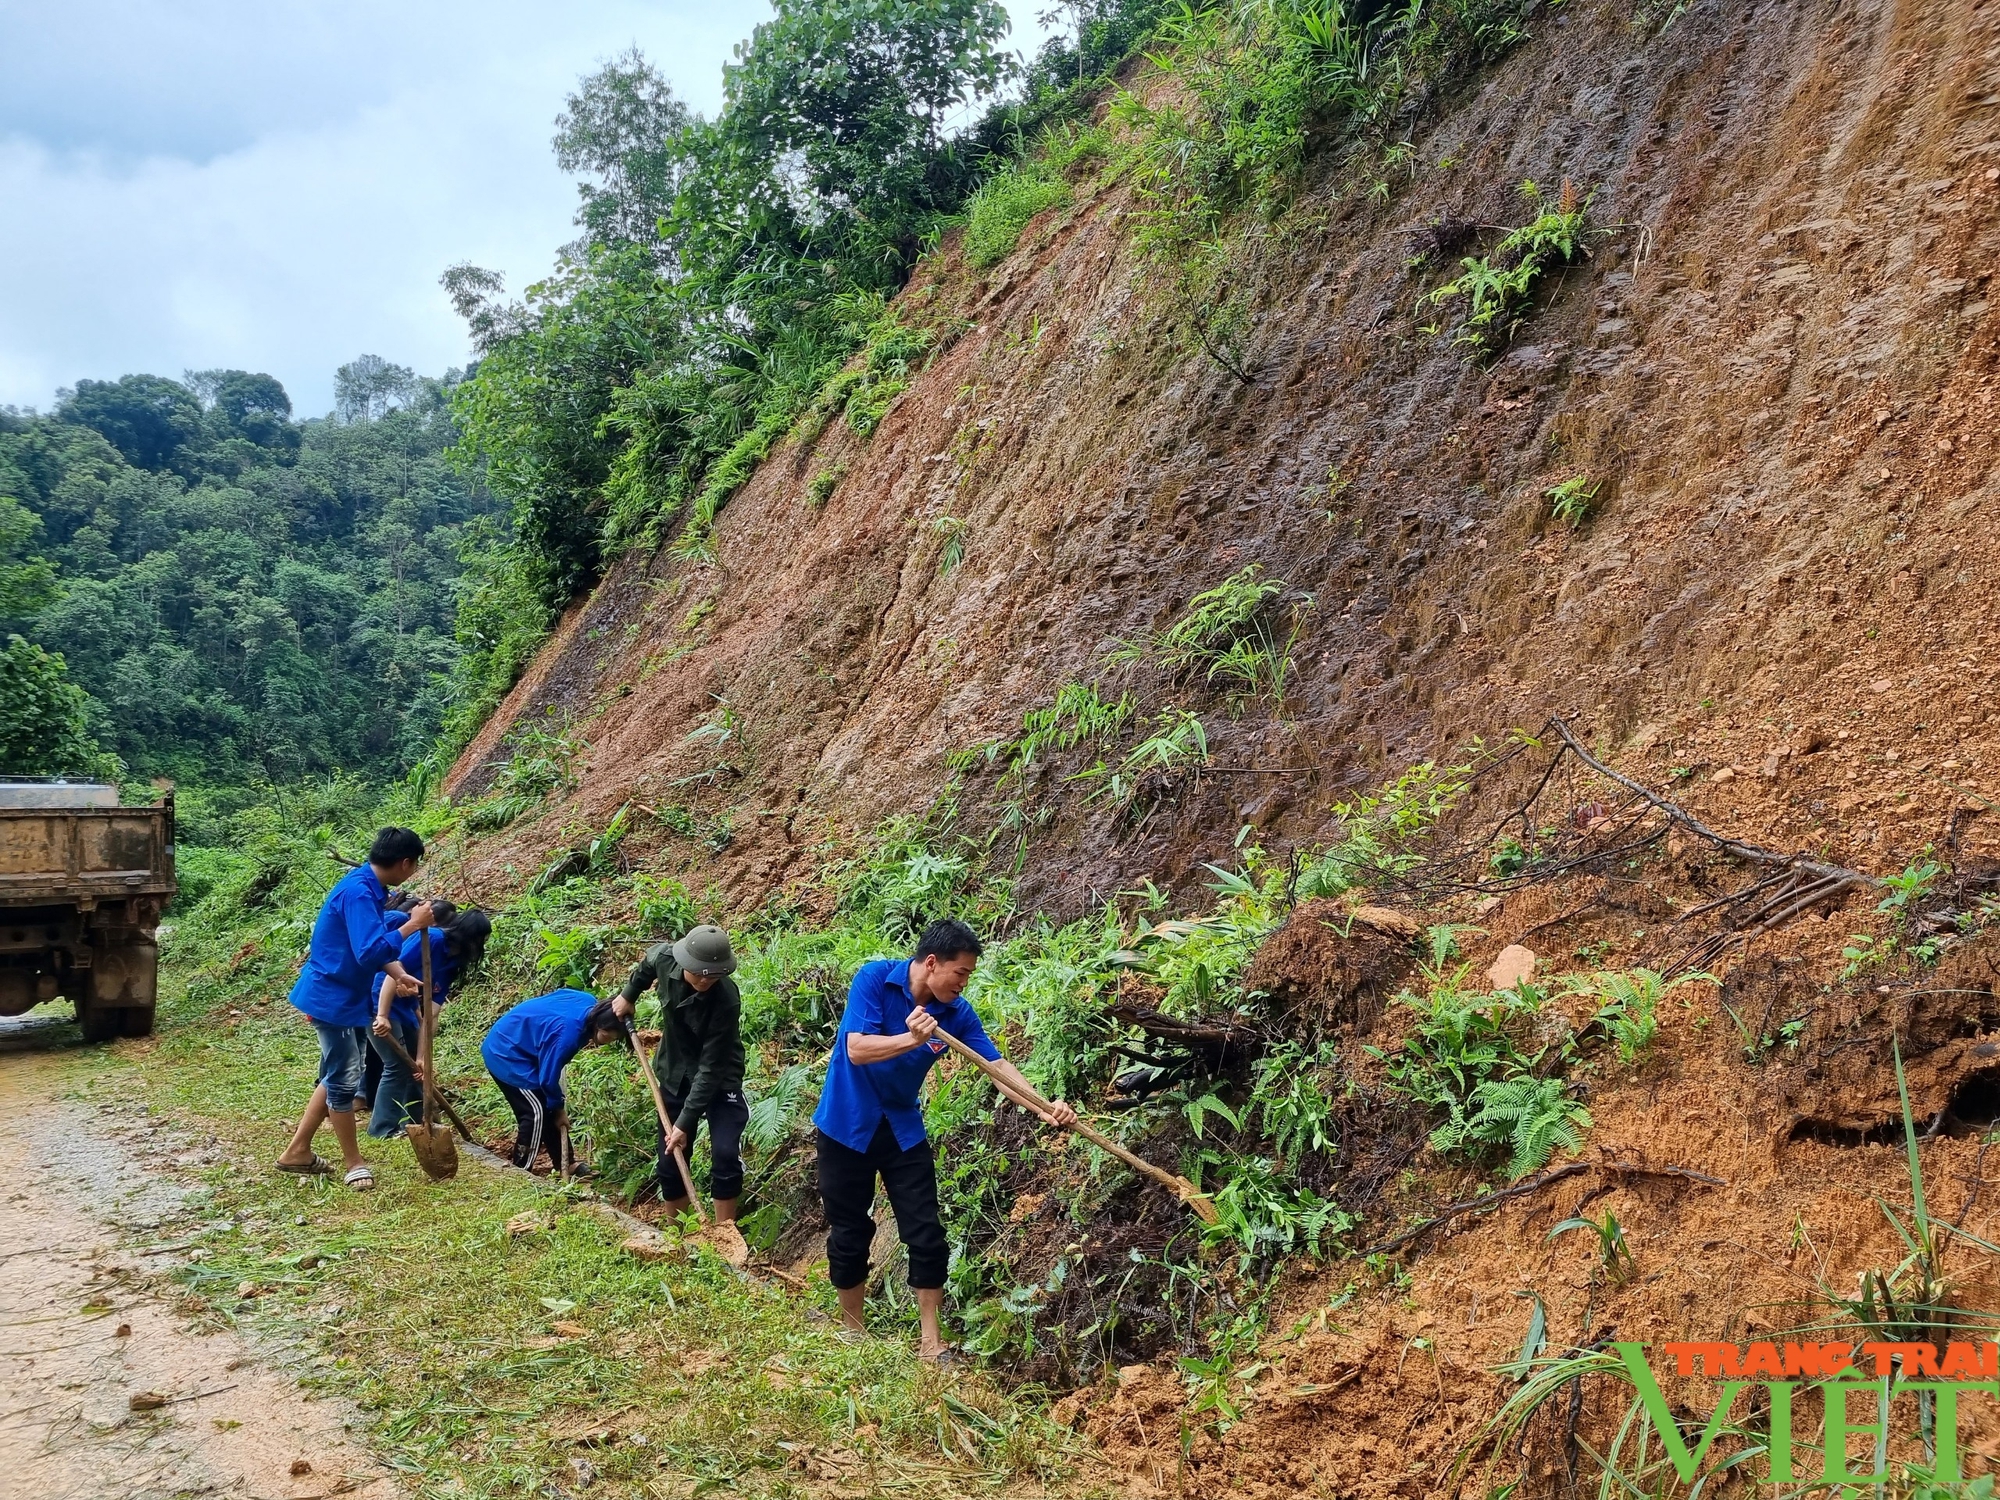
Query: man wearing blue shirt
(353, 939)
(871, 1122)
(526, 1051)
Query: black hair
(394, 845)
(603, 1018)
(465, 934)
(947, 938)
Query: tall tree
(621, 130)
(147, 418)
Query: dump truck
(82, 885)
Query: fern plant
(1496, 290)
(1532, 1118)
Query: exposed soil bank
(1782, 360)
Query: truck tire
(100, 1023)
(119, 990)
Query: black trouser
(847, 1188)
(534, 1124)
(727, 1114)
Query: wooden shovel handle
(1180, 1186)
(425, 1024)
(666, 1125)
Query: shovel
(1035, 1104)
(437, 1152)
(723, 1237)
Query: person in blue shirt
(526, 1051)
(871, 1123)
(352, 940)
(457, 945)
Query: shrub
(1233, 632)
(1496, 290)
(44, 717)
(1002, 207)
(1570, 501)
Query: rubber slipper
(313, 1168)
(361, 1179)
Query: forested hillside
(243, 595)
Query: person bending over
(700, 1061)
(526, 1051)
(352, 940)
(457, 944)
(871, 1124)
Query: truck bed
(50, 854)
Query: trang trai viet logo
(1859, 1391)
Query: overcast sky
(276, 186)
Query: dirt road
(105, 1390)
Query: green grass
(416, 1302)
(1001, 209)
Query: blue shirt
(352, 939)
(403, 1008)
(529, 1047)
(858, 1097)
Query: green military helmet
(705, 950)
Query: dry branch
(1535, 1184)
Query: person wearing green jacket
(700, 1060)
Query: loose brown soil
(91, 1325)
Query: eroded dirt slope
(1781, 359)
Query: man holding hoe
(700, 1062)
(871, 1122)
(353, 939)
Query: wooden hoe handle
(666, 1125)
(1035, 1104)
(443, 1099)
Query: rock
(1485, 906)
(650, 1247)
(1133, 1374)
(1724, 776)
(584, 1470)
(1514, 964)
(300, 1468)
(1389, 922)
(147, 1401)
(123, 1331)
(248, 1289)
(1880, 685)
(1772, 763)
(569, 1330)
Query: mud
(88, 1319)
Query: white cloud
(217, 183)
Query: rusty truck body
(82, 885)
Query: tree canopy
(229, 593)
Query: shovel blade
(437, 1151)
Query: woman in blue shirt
(352, 940)
(397, 1093)
(526, 1051)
